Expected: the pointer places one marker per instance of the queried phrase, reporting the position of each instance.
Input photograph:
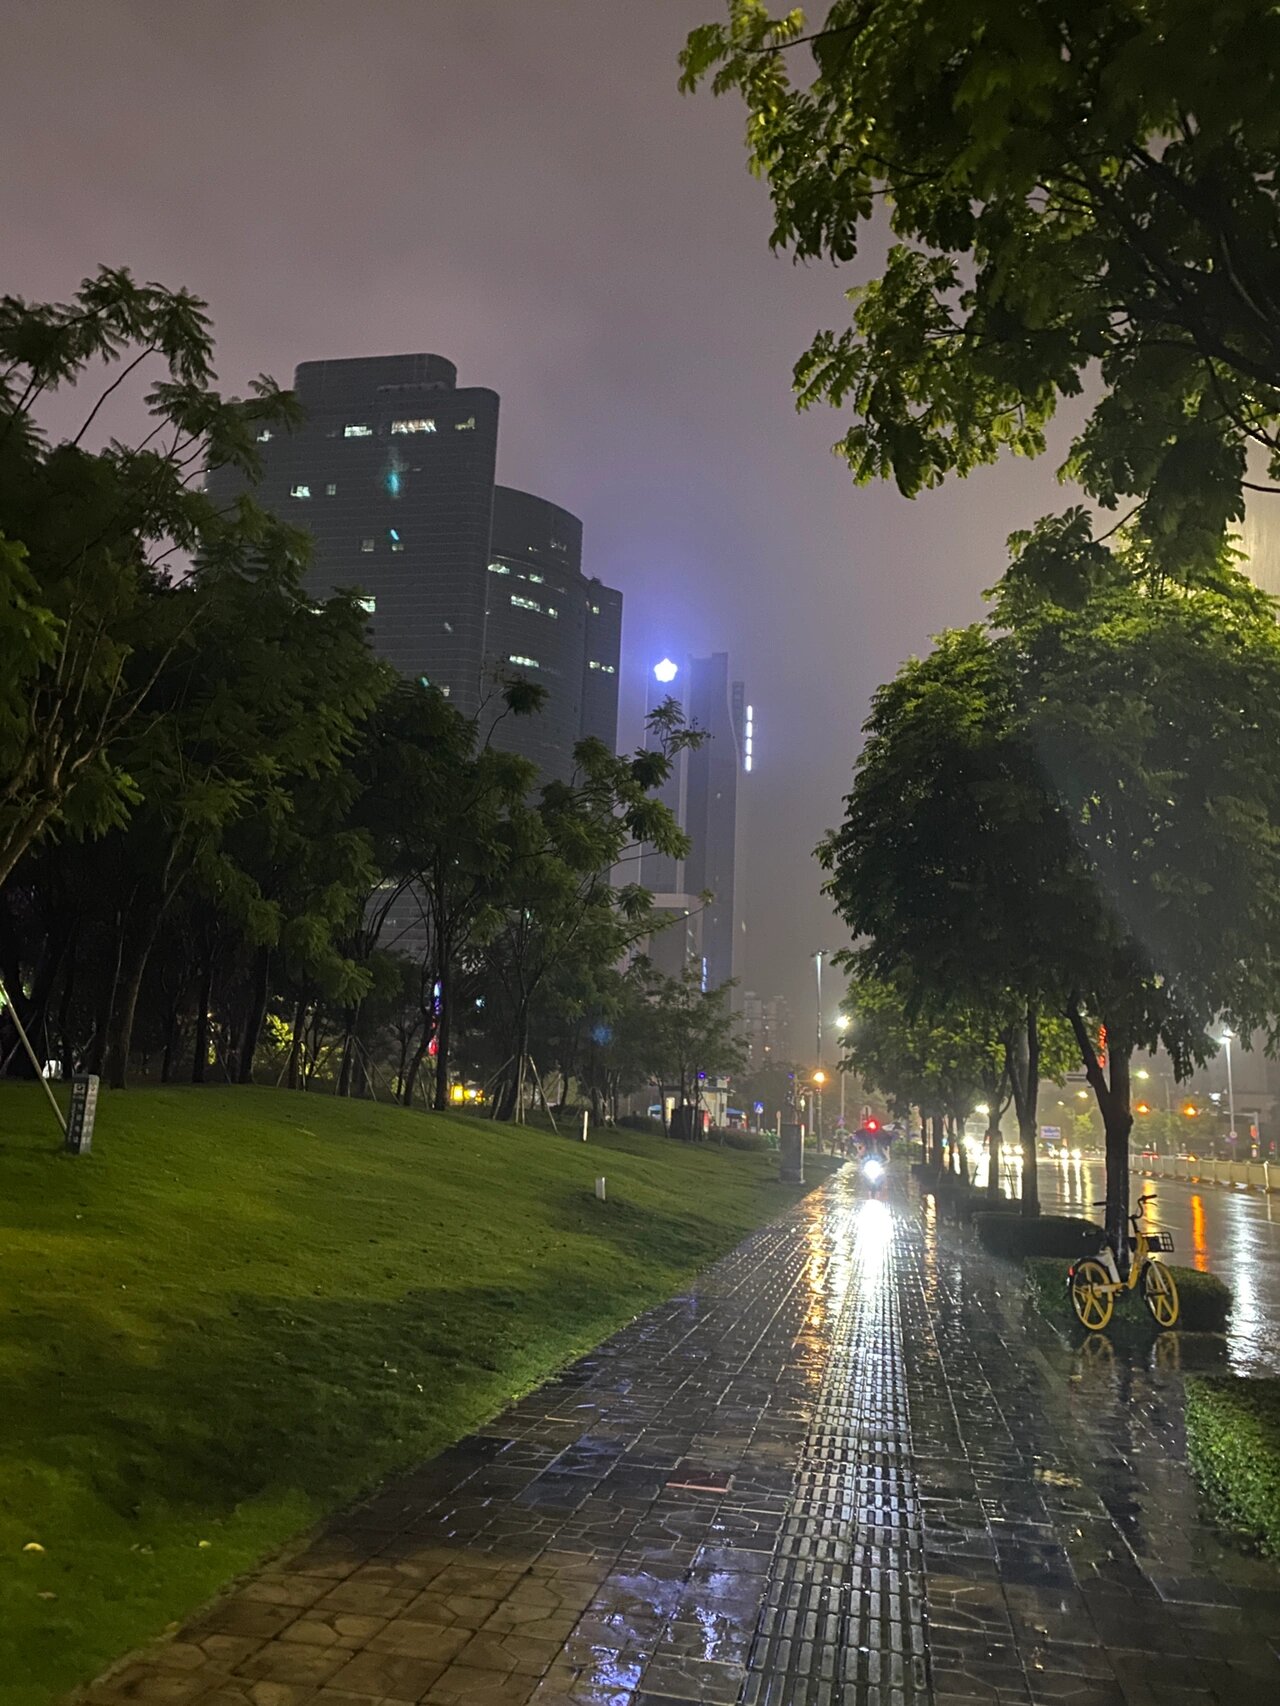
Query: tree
(958, 869)
(438, 804)
(1155, 712)
(558, 896)
(1078, 194)
(1079, 806)
(85, 537)
(936, 1062)
(695, 1035)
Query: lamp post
(1228, 1037)
(842, 1025)
(815, 1094)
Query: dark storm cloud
(517, 184)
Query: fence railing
(1257, 1175)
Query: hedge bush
(1233, 1442)
(754, 1142)
(1037, 1235)
(1204, 1300)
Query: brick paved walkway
(847, 1466)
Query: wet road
(1234, 1233)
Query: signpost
(80, 1117)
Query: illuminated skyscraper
(703, 793)
(392, 474)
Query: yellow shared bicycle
(1095, 1281)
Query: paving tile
(847, 1468)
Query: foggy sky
(518, 185)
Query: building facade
(701, 894)
(392, 474)
(547, 622)
(766, 1025)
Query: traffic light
(871, 1125)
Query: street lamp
(1228, 1037)
(842, 1025)
(819, 1079)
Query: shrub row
(1233, 1442)
(1205, 1300)
(1018, 1236)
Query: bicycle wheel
(1092, 1296)
(1160, 1292)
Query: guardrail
(1256, 1175)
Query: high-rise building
(547, 622)
(766, 1026)
(702, 791)
(392, 473)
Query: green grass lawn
(244, 1307)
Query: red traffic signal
(871, 1125)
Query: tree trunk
(993, 1151)
(348, 1052)
(293, 1076)
(170, 1044)
(1117, 1119)
(200, 1043)
(129, 983)
(98, 1044)
(413, 1073)
(1029, 1120)
(1022, 1049)
(255, 1016)
(444, 1039)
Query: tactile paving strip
(844, 1616)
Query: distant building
(766, 1024)
(392, 473)
(702, 791)
(545, 621)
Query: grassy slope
(244, 1307)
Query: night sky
(519, 186)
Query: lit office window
(366, 544)
(331, 491)
(552, 611)
(529, 663)
(595, 609)
(419, 425)
(357, 431)
(605, 668)
(525, 603)
(469, 425)
(536, 578)
(299, 491)
(368, 604)
(264, 437)
(499, 569)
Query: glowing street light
(666, 671)
(1228, 1037)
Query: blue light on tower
(666, 671)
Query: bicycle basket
(1160, 1241)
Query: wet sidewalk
(847, 1466)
